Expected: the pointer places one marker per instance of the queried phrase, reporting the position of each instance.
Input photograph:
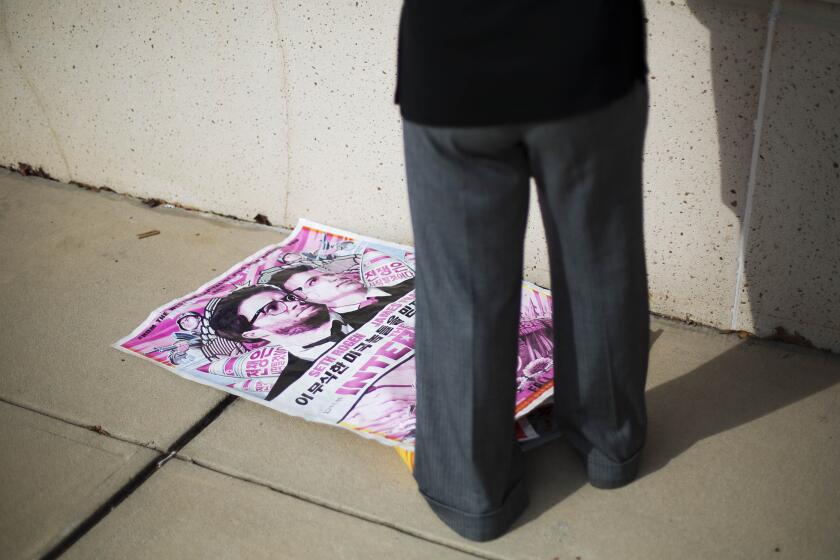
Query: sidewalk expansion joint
(136, 481)
(98, 429)
(345, 511)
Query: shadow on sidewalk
(731, 390)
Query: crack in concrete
(91, 427)
(344, 511)
(173, 452)
(138, 480)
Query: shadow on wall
(790, 261)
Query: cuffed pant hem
(607, 474)
(484, 526)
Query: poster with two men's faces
(321, 326)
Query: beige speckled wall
(286, 109)
(174, 100)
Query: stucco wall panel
(26, 134)
(792, 266)
(158, 99)
(345, 132)
(705, 72)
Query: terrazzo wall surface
(286, 110)
(792, 256)
(181, 101)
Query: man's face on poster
(325, 288)
(279, 313)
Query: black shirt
(489, 62)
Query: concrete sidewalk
(742, 461)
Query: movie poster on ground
(321, 326)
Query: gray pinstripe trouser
(468, 194)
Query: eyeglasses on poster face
(279, 306)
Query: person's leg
(468, 197)
(589, 181)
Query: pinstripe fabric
(469, 194)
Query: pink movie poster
(321, 326)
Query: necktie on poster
(321, 326)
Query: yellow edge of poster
(407, 457)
